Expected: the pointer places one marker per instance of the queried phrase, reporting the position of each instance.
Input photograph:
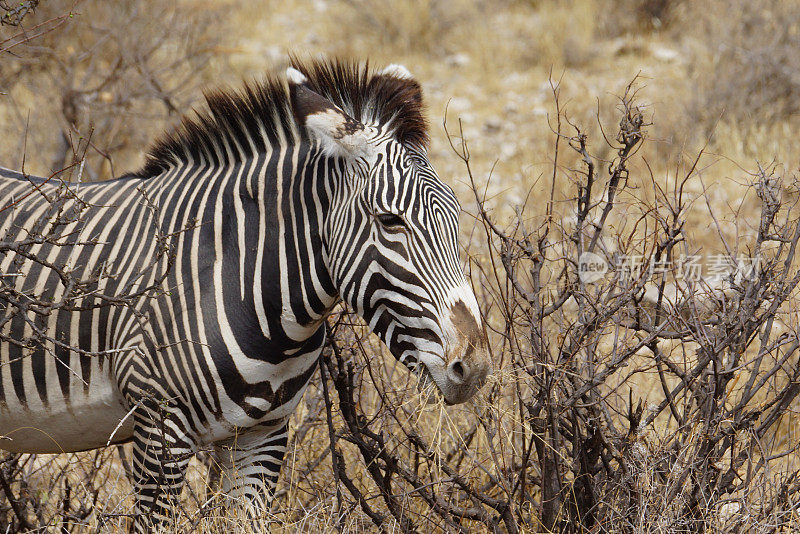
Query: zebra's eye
(390, 220)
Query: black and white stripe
(279, 201)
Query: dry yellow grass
(491, 66)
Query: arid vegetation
(655, 394)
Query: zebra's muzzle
(469, 364)
(454, 383)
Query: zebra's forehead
(413, 166)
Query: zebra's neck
(256, 240)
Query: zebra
(283, 199)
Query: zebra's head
(391, 238)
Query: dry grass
(724, 85)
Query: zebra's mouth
(428, 388)
(439, 383)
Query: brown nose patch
(465, 324)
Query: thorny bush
(651, 398)
(639, 399)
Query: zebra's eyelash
(390, 220)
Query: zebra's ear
(339, 134)
(402, 80)
(395, 70)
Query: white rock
(493, 125)
(662, 53)
(458, 60)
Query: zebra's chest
(261, 382)
(253, 390)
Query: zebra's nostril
(457, 371)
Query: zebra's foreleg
(249, 467)
(161, 453)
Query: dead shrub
(112, 75)
(648, 398)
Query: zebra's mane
(236, 121)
